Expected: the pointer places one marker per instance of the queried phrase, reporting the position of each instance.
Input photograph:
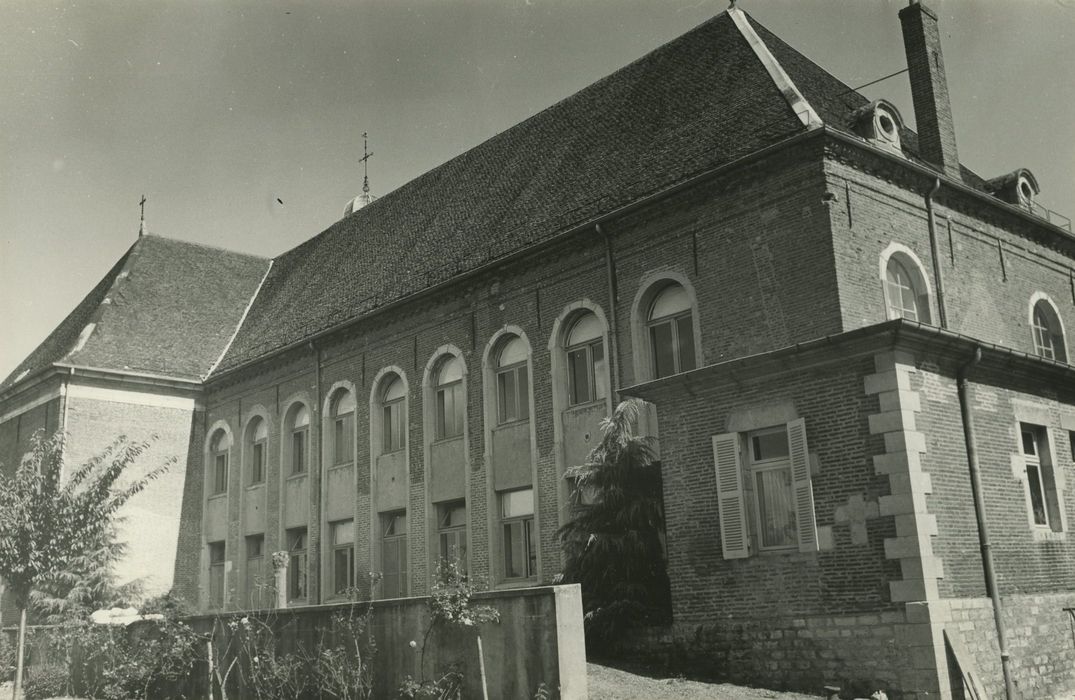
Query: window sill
(296, 477)
(255, 485)
(342, 465)
(510, 424)
(218, 496)
(517, 583)
(451, 438)
(396, 450)
(583, 406)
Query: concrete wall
(539, 639)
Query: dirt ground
(607, 683)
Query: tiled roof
(693, 104)
(167, 307)
(677, 111)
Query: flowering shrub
(450, 605)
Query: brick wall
(150, 520)
(755, 247)
(992, 262)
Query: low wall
(1040, 636)
(539, 639)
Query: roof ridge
(206, 246)
(586, 89)
(242, 320)
(796, 100)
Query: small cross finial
(366, 155)
(142, 223)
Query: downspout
(942, 310)
(614, 342)
(979, 513)
(315, 492)
(64, 401)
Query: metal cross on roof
(366, 155)
(142, 224)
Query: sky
(219, 111)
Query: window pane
(298, 452)
(254, 546)
(600, 374)
(531, 548)
(1037, 496)
(512, 352)
(776, 508)
(343, 532)
(661, 346)
(1029, 444)
(506, 396)
(769, 445)
(524, 393)
(456, 412)
(257, 467)
(685, 333)
(585, 328)
(514, 551)
(672, 300)
(442, 413)
(220, 474)
(514, 504)
(386, 426)
(578, 376)
(343, 569)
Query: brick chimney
(929, 89)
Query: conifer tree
(613, 545)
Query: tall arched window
(298, 439)
(394, 418)
(343, 427)
(512, 385)
(905, 289)
(450, 402)
(671, 332)
(257, 437)
(1048, 332)
(587, 376)
(219, 450)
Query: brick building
(796, 282)
(129, 360)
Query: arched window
(587, 376)
(905, 289)
(671, 332)
(219, 448)
(394, 418)
(298, 438)
(342, 411)
(450, 402)
(512, 385)
(257, 439)
(1047, 331)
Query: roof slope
(696, 103)
(167, 307)
(672, 113)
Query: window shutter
(733, 520)
(804, 493)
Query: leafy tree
(89, 584)
(50, 520)
(613, 546)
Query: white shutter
(802, 489)
(734, 540)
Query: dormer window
(1018, 188)
(879, 123)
